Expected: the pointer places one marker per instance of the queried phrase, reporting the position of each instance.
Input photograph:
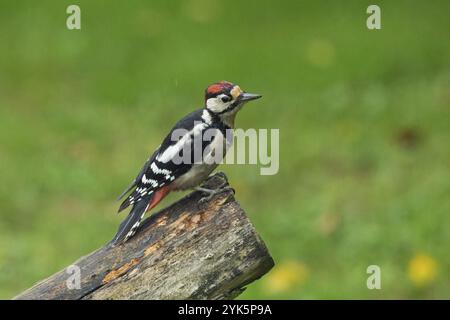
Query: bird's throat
(228, 118)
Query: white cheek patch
(211, 103)
(216, 104)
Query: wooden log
(188, 250)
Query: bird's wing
(139, 176)
(164, 166)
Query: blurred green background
(364, 119)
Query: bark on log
(186, 251)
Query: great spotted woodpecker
(172, 166)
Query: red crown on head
(218, 88)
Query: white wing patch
(173, 150)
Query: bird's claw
(222, 175)
(213, 192)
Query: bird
(173, 165)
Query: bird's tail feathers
(129, 226)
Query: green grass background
(364, 119)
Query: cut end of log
(189, 250)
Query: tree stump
(185, 251)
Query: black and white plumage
(175, 164)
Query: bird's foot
(212, 192)
(222, 175)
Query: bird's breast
(213, 155)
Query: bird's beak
(249, 96)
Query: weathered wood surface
(186, 251)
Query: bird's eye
(225, 98)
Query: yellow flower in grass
(286, 276)
(422, 269)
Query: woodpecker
(163, 172)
